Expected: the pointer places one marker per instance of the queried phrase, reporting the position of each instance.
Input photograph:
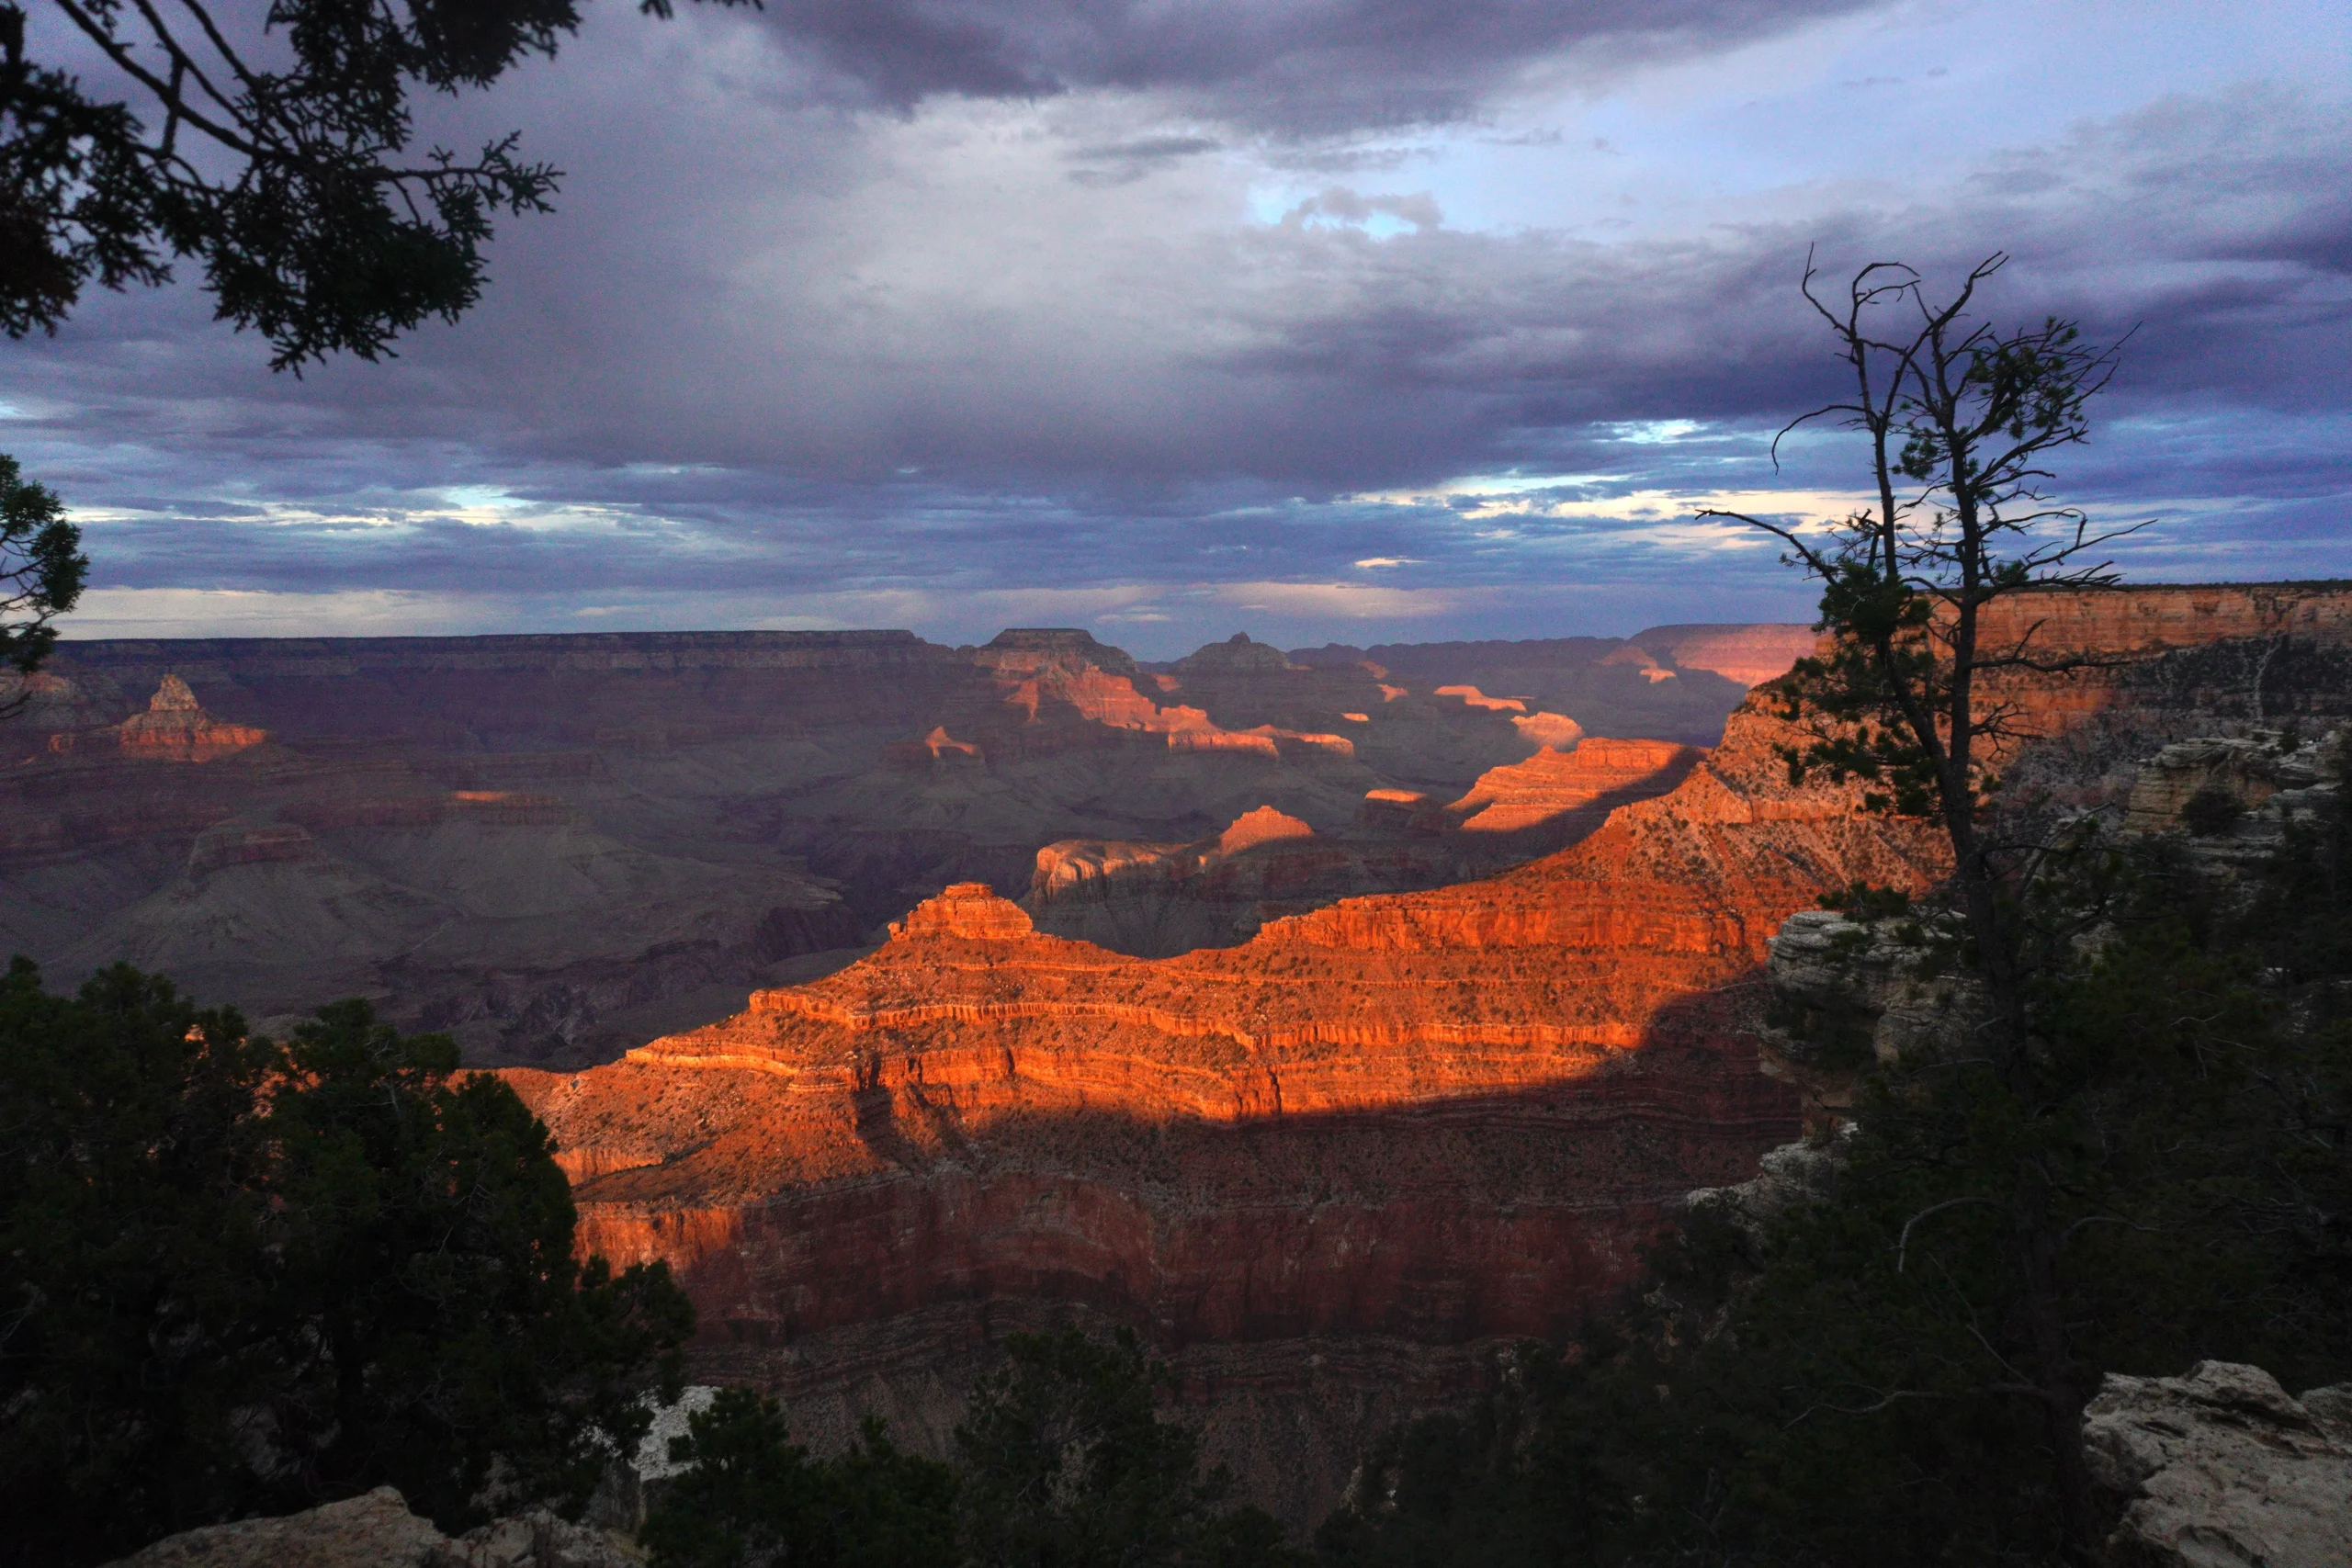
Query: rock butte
(174, 728)
(1427, 1119)
(559, 847)
(1749, 655)
(1320, 1168)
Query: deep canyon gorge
(1336, 1019)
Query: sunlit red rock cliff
(559, 847)
(1362, 1010)
(1323, 1167)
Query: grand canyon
(1336, 1018)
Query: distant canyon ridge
(559, 847)
(1337, 1019)
(1337, 1171)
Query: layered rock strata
(1751, 655)
(1433, 1120)
(1155, 899)
(174, 728)
(871, 765)
(1554, 783)
(1376, 1137)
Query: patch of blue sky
(480, 498)
(1860, 110)
(1653, 432)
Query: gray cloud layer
(774, 345)
(1289, 66)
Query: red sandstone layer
(1554, 783)
(1480, 1095)
(174, 728)
(1016, 1103)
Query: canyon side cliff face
(559, 847)
(1326, 1170)
(1159, 900)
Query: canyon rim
(1394, 1055)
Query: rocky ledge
(2222, 1467)
(378, 1531)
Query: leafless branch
(1902, 1243)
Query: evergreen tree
(750, 1498)
(283, 163)
(243, 1277)
(42, 569)
(1067, 1464)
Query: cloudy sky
(1353, 320)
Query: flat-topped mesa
(1236, 656)
(1189, 731)
(968, 910)
(177, 728)
(1553, 783)
(1751, 655)
(1473, 697)
(252, 660)
(1401, 811)
(1028, 649)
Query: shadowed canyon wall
(559, 847)
(1329, 1169)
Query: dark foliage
(316, 222)
(2210, 810)
(1064, 1462)
(1067, 1464)
(243, 1277)
(1842, 1386)
(42, 568)
(752, 1499)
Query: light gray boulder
(378, 1531)
(1801, 1172)
(1878, 981)
(2221, 1468)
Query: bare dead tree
(1960, 418)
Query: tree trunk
(2062, 1394)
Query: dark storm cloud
(771, 348)
(1288, 355)
(1288, 66)
(761, 286)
